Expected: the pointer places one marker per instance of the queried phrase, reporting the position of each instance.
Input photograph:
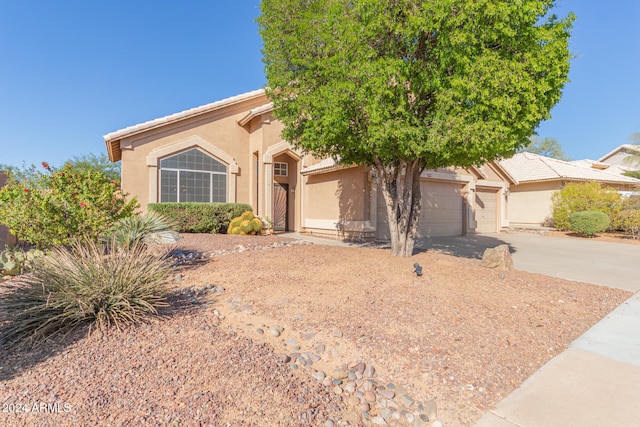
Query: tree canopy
(548, 147)
(406, 84)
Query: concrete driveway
(601, 263)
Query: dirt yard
(265, 332)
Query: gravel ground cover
(263, 330)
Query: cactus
(14, 261)
(245, 224)
(257, 225)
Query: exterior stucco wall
(337, 202)
(530, 204)
(218, 128)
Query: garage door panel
(442, 210)
(486, 202)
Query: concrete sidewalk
(595, 382)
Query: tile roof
(614, 169)
(529, 167)
(112, 139)
(181, 115)
(322, 165)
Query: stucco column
(268, 188)
(153, 183)
(373, 199)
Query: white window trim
(281, 166)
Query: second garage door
(442, 210)
(486, 210)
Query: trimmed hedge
(191, 217)
(629, 222)
(584, 196)
(588, 223)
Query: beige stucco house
(535, 178)
(231, 151)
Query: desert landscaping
(265, 330)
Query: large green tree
(404, 85)
(548, 147)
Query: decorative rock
(319, 375)
(498, 257)
(431, 410)
(260, 331)
(410, 417)
(407, 401)
(308, 335)
(369, 396)
(437, 423)
(284, 358)
(340, 374)
(274, 332)
(360, 368)
(369, 371)
(350, 387)
(293, 366)
(387, 394)
(386, 413)
(337, 381)
(424, 417)
(291, 342)
(278, 328)
(337, 333)
(315, 357)
(329, 423)
(364, 407)
(353, 401)
(337, 390)
(379, 421)
(326, 382)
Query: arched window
(192, 176)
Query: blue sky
(74, 70)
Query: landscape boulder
(498, 257)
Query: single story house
(232, 151)
(620, 155)
(535, 179)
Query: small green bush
(588, 223)
(200, 217)
(587, 196)
(86, 284)
(629, 222)
(245, 224)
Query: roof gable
(112, 140)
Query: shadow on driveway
(470, 246)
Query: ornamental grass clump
(85, 284)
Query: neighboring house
(5, 237)
(620, 155)
(231, 151)
(536, 178)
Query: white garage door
(486, 210)
(442, 210)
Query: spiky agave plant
(84, 284)
(149, 227)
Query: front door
(280, 204)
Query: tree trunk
(401, 192)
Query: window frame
(279, 167)
(179, 171)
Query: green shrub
(86, 284)
(629, 222)
(588, 223)
(150, 227)
(200, 217)
(50, 208)
(578, 197)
